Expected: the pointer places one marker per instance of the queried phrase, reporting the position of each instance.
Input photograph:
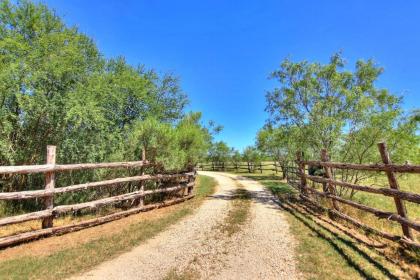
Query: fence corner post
(49, 186)
(328, 174)
(301, 166)
(393, 184)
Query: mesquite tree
(340, 110)
(56, 88)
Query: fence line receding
(179, 185)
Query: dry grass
(78, 252)
(408, 182)
(176, 275)
(238, 213)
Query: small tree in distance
(252, 157)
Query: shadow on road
(347, 245)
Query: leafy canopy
(344, 111)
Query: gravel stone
(263, 249)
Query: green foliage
(171, 147)
(252, 156)
(325, 106)
(219, 152)
(57, 89)
(279, 143)
(236, 157)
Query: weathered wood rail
(298, 177)
(183, 184)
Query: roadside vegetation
(408, 182)
(57, 88)
(326, 250)
(81, 256)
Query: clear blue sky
(223, 51)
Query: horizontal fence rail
(45, 168)
(178, 185)
(43, 193)
(298, 177)
(406, 168)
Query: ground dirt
(195, 248)
(69, 240)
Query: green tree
(235, 158)
(280, 144)
(219, 154)
(252, 157)
(193, 138)
(57, 89)
(330, 105)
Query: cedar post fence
(393, 184)
(328, 175)
(143, 158)
(250, 167)
(393, 191)
(301, 167)
(49, 186)
(180, 189)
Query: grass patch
(317, 258)
(239, 212)
(82, 257)
(185, 275)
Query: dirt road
(195, 248)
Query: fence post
(143, 158)
(191, 178)
(275, 166)
(260, 167)
(49, 185)
(301, 166)
(328, 175)
(393, 183)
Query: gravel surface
(263, 249)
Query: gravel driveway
(194, 247)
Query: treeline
(56, 88)
(221, 155)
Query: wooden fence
(299, 178)
(240, 166)
(183, 188)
